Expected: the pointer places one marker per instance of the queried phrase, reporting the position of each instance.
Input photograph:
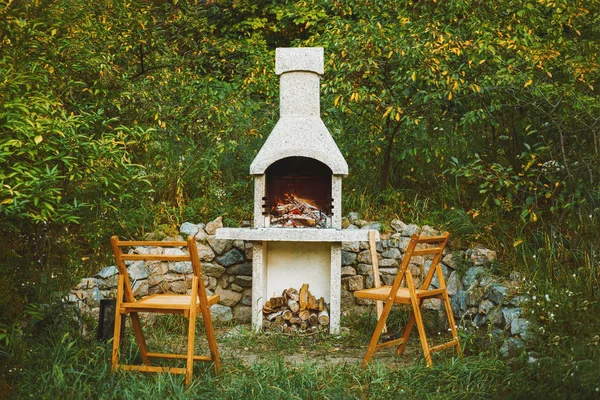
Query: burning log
(295, 311)
(294, 211)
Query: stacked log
(295, 311)
(294, 212)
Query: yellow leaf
(475, 214)
(337, 100)
(38, 139)
(388, 111)
(450, 96)
(7, 201)
(391, 54)
(517, 242)
(414, 76)
(416, 122)
(534, 217)
(155, 117)
(397, 117)
(529, 82)
(379, 25)
(549, 74)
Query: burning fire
(296, 212)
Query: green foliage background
(128, 116)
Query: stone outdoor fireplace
(298, 175)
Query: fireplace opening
(298, 193)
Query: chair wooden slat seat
(395, 294)
(189, 305)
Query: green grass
(61, 363)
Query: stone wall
(478, 298)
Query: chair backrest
(120, 258)
(413, 251)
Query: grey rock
(454, 284)
(388, 263)
(242, 313)
(220, 246)
(381, 246)
(345, 222)
(351, 246)
(210, 282)
(365, 269)
(372, 226)
(140, 288)
(409, 230)
(187, 229)
(486, 306)
(369, 281)
(213, 270)
(236, 288)
(519, 300)
(496, 292)
(352, 226)
(205, 253)
(241, 269)
(138, 271)
(459, 302)
(246, 300)
(108, 283)
(353, 217)
(363, 245)
(496, 317)
(388, 271)
(87, 283)
(248, 250)
(243, 281)
(348, 258)
(348, 271)
(212, 226)
(511, 314)
(451, 260)
(231, 257)
(239, 244)
(228, 297)
(94, 297)
(388, 279)
(403, 243)
(429, 231)
(398, 225)
(432, 304)
(435, 282)
(475, 296)
(512, 347)
(518, 326)
(353, 283)
(473, 275)
(181, 267)
(479, 320)
(486, 280)
(392, 253)
(201, 236)
(360, 223)
(221, 313)
(482, 256)
(107, 272)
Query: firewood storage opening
(298, 193)
(296, 311)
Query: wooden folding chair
(414, 297)
(187, 304)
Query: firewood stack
(297, 212)
(295, 311)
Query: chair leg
(210, 336)
(116, 339)
(189, 368)
(406, 333)
(139, 337)
(416, 305)
(450, 316)
(377, 333)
